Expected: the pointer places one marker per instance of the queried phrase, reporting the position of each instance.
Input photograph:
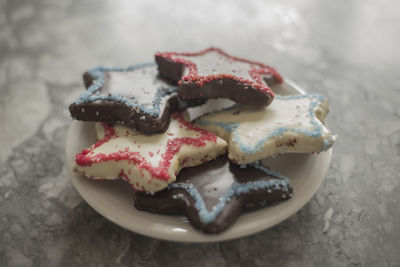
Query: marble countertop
(347, 50)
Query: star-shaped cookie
(213, 195)
(135, 96)
(212, 73)
(148, 162)
(291, 124)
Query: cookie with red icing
(212, 73)
(213, 195)
(148, 162)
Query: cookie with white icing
(213, 195)
(213, 73)
(291, 124)
(148, 162)
(135, 96)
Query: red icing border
(256, 70)
(86, 157)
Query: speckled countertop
(347, 50)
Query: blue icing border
(230, 127)
(98, 74)
(236, 189)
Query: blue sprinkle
(263, 203)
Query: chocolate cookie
(214, 194)
(135, 96)
(212, 73)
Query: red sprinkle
(183, 162)
(123, 175)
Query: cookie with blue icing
(135, 96)
(291, 124)
(213, 195)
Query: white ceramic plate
(113, 199)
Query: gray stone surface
(347, 50)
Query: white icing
(214, 63)
(128, 83)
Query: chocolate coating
(212, 181)
(225, 88)
(137, 97)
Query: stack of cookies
(206, 168)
